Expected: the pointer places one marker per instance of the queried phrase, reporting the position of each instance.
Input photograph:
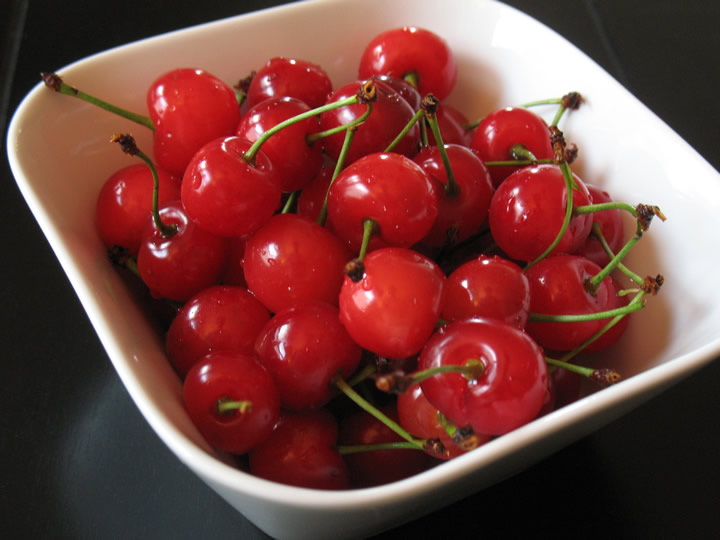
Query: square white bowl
(59, 153)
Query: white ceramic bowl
(59, 153)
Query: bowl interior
(60, 154)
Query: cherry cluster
(364, 283)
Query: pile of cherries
(362, 282)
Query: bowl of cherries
(346, 285)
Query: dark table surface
(81, 462)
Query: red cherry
(189, 108)
(500, 130)
(231, 377)
(558, 287)
(390, 189)
(291, 77)
(295, 162)
(463, 215)
(292, 259)
(304, 347)
(452, 124)
(390, 114)
(234, 272)
(125, 204)
(611, 336)
(393, 309)
(411, 50)
(408, 92)
(419, 417)
(301, 452)
(179, 266)
(312, 197)
(528, 209)
(225, 194)
(511, 389)
(378, 467)
(611, 225)
(219, 318)
(487, 286)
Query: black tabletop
(79, 461)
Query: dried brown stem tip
(571, 152)
(429, 104)
(52, 80)
(244, 84)
(394, 383)
(605, 376)
(355, 270)
(572, 100)
(434, 447)
(367, 93)
(557, 139)
(652, 284)
(645, 214)
(126, 142)
(466, 438)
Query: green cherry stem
(346, 389)
(225, 406)
(519, 162)
(582, 317)
(349, 135)
(399, 382)
(604, 375)
(464, 437)
(128, 145)
(569, 182)
(390, 147)
(597, 232)
(429, 105)
(290, 202)
(56, 83)
(358, 448)
(253, 150)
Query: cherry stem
(56, 83)
(249, 156)
(290, 202)
(582, 317)
(637, 300)
(128, 145)
(411, 78)
(464, 437)
(404, 130)
(569, 182)
(597, 231)
(593, 283)
(399, 382)
(225, 406)
(603, 375)
(358, 448)
(519, 152)
(349, 135)
(370, 228)
(429, 106)
(371, 409)
(519, 162)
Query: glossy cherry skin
(464, 214)
(292, 259)
(189, 108)
(225, 194)
(378, 467)
(292, 77)
(390, 114)
(181, 265)
(528, 209)
(393, 309)
(301, 452)
(388, 188)
(487, 286)
(402, 51)
(512, 388)
(124, 204)
(295, 162)
(500, 130)
(557, 287)
(611, 225)
(231, 377)
(408, 92)
(304, 347)
(219, 318)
